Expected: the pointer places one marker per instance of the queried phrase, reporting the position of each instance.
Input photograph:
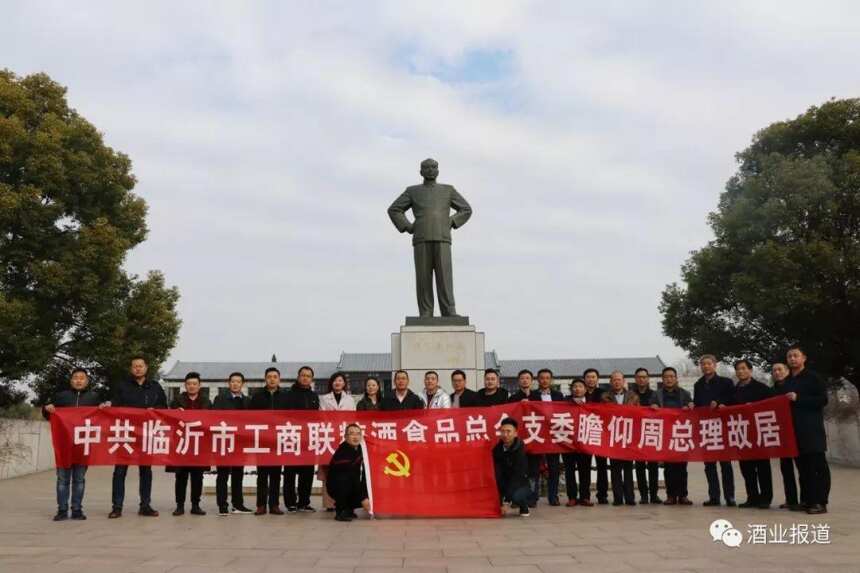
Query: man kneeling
(512, 468)
(346, 482)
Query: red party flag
(431, 479)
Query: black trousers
(758, 480)
(602, 478)
(714, 480)
(814, 478)
(347, 494)
(305, 475)
(182, 475)
(676, 479)
(268, 486)
(622, 481)
(648, 480)
(789, 483)
(235, 475)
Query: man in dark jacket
(191, 399)
(77, 395)
(525, 379)
(346, 482)
(402, 398)
(545, 393)
(594, 395)
(233, 399)
(300, 397)
(713, 390)
(809, 397)
(646, 472)
(269, 477)
(757, 475)
(675, 474)
(136, 392)
(621, 470)
(462, 397)
(512, 468)
(492, 394)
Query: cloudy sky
(592, 140)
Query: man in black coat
(512, 468)
(233, 399)
(545, 393)
(300, 397)
(646, 472)
(135, 392)
(779, 373)
(713, 390)
(492, 394)
(758, 479)
(72, 479)
(402, 398)
(809, 397)
(462, 397)
(346, 482)
(594, 395)
(191, 399)
(271, 397)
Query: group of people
(518, 474)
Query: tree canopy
(784, 266)
(68, 218)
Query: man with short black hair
(713, 390)
(191, 399)
(577, 464)
(594, 395)
(492, 394)
(462, 397)
(402, 398)
(545, 393)
(670, 395)
(135, 392)
(525, 378)
(758, 479)
(77, 395)
(647, 473)
(511, 467)
(300, 397)
(271, 397)
(436, 398)
(233, 399)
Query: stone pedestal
(441, 346)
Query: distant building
(358, 366)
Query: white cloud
(269, 139)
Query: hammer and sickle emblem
(398, 464)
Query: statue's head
(430, 169)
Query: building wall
(25, 447)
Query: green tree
(68, 218)
(784, 266)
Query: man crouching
(512, 468)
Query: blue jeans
(118, 493)
(521, 497)
(74, 477)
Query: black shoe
(532, 504)
(763, 505)
(61, 516)
(731, 503)
(747, 504)
(180, 510)
(816, 509)
(644, 501)
(342, 517)
(306, 509)
(524, 512)
(617, 502)
(79, 515)
(630, 502)
(115, 513)
(241, 509)
(603, 502)
(195, 510)
(292, 509)
(711, 503)
(797, 507)
(147, 511)
(554, 502)
(222, 511)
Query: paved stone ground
(553, 540)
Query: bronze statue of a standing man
(431, 205)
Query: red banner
(108, 436)
(432, 479)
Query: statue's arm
(397, 212)
(462, 208)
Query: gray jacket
(431, 206)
